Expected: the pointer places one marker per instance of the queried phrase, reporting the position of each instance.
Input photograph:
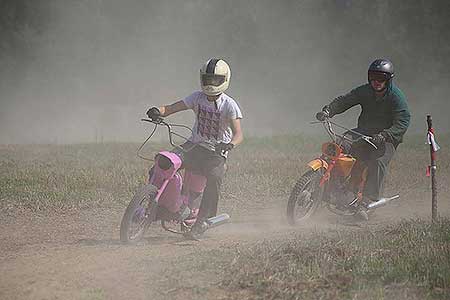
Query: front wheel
(137, 217)
(305, 197)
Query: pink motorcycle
(171, 194)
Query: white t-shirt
(213, 122)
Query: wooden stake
(434, 213)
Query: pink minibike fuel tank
(175, 190)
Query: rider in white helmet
(215, 77)
(216, 131)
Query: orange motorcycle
(336, 179)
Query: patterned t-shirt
(213, 122)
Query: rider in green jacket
(385, 116)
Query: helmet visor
(378, 76)
(213, 79)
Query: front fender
(318, 163)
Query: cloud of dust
(92, 68)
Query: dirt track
(77, 255)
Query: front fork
(326, 176)
(151, 210)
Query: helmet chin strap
(211, 99)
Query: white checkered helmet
(215, 77)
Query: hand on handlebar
(324, 114)
(224, 147)
(154, 114)
(378, 139)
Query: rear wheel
(136, 217)
(305, 197)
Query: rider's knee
(214, 178)
(216, 173)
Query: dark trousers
(377, 170)
(377, 161)
(211, 165)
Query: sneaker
(184, 213)
(197, 230)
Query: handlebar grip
(155, 121)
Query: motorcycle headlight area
(163, 162)
(331, 150)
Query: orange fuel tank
(344, 165)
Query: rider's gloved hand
(378, 139)
(154, 113)
(325, 113)
(224, 147)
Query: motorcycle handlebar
(157, 122)
(160, 121)
(328, 124)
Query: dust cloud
(86, 71)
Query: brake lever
(368, 140)
(157, 121)
(325, 120)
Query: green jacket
(388, 115)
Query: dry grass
(403, 261)
(41, 177)
(406, 261)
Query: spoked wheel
(137, 217)
(305, 197)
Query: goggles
(378, 76)
(212, 79)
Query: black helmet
(381, 67)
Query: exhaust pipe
(382, 202)
(218, 220)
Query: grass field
(43, 177)
(40, 177)
(407, 259)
